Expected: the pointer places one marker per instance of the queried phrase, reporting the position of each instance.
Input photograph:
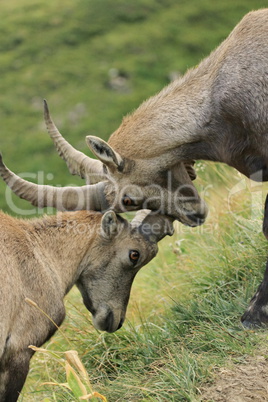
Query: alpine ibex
(217, 111)
(41, 259)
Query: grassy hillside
(183, 318)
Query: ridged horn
(154, 226)
(62, 198)
(78, 163)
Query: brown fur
(216, 111)
(224, 98)
(41, 260)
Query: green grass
(185, 307)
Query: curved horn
(61, 198)
(139, 217)
(154, 226)
(78, 163)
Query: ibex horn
(78, 163)
(155, 226)
(62, 198)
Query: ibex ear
(109, 225)
(189, 166)
(105, 152)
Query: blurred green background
(94, 61)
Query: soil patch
(241, 383)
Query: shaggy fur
(40, 261)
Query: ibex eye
(127, 201)
(134, 255)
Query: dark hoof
(252, 324)
(254, 320)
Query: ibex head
(116, 255)
(153, 183)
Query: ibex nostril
(111, 323)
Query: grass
(183, 316)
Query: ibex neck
(179, 114)
(65, 238)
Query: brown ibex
(41, 259)
(217, 111)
